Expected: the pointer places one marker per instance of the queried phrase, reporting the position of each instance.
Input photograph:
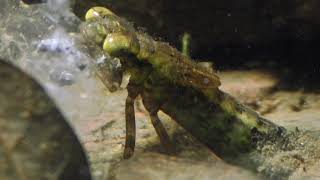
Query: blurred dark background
(274, 34)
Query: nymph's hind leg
(133, 92)
(153, 109)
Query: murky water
(44, 41)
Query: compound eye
(110, 72)
(97, 12)
(94, 31)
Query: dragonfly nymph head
(110, 32)
(112, 35)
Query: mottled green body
(227, 132)
(169, 81)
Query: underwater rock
(7, 5)
(36, 142)
(39, 39)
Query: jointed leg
(161, 131)
(133, 92)
(153, 109)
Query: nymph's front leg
(153, 108)
(133, 92)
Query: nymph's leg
(133, 92)
(153, 109)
